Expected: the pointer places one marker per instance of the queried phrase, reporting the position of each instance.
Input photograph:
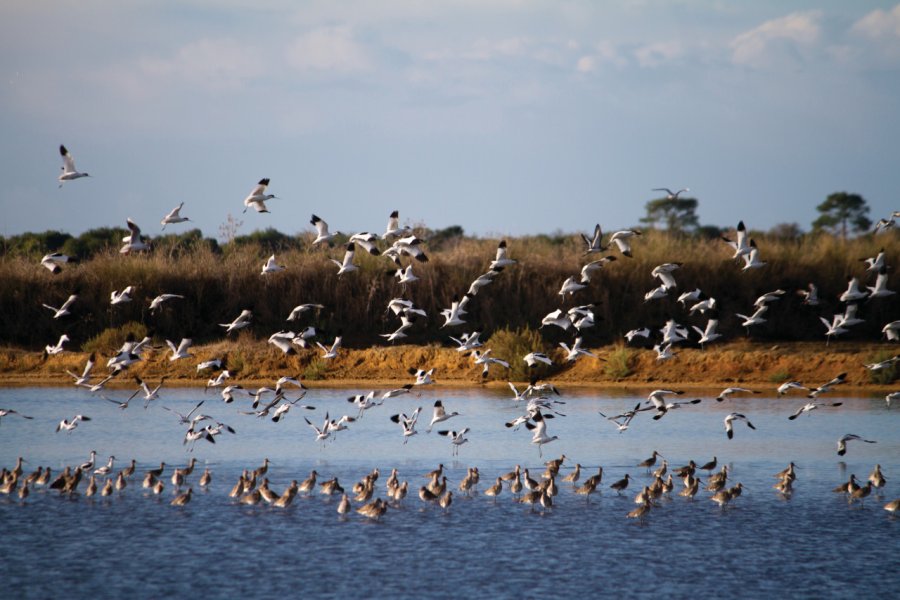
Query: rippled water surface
(136, 545)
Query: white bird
(63, 310)
(558, 319)
(188, 418)
(576, 351)
(539, 431)
(849, 318)
(884, 364)
(333, 351)
(622, 421)
(401, 306)
(364, 402)
(664, 273)
(302, 308)
(134, 242)
(657, 399)
(149, 394)
(242, 320)
(180, 351)
(70, 425)
(642, 332)
(367, 241)
(53, 262)
(703, 306)
(656, 293)
(891, 331)
(594, 244)
(886, 224)
(880, 288)
(322, 233)
(673, 333)
(404, 276)
(215, 364)
(85, 376)
(533, 358)
(755, 319)
(810, 295)
(588, 270)
(405, 323)
(835, 327)
(407, 423)
(741, 245)
(891, 397)
(218, 380)
(663, 351)
(842, 443)
(692, 296)
(229, 391)
(174, 217)
(875, 264)
(257, 197)
(302, 338)
(282, 409)
(53, 350)
(769, 297)
(482, 358)
(122, 297)
(457, 438)
(751, 258)
(729, 427)
(9, 411)
(811, 406)
(271, 266)
(156, 302)
(397, 392)
(709, 334)
(440, 414)
(422, 376)
(453, 315)
(408, 246)
(570, 286)
(69, 172)
(99, 385)
(825, 387)
(501, 259)
(283, 340)
(467, 341)
(483, 280)
(346, 266)
(853, 292)
(394, 229)
(622, 240)
(730, 391)
(787, 386)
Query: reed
(219, 282)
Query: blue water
(136, 545)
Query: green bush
(111, 339)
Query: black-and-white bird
(242, 321)
(729, 420)
(457, 438)
(323, 235)
(53, 262)
(258, 196)
(670, 195)
(346, 265)
(69, 172)
(408, 423)
(595, 243)
(133, 242)
(440, 415)
(842, 443)
(71, 425)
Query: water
(135, 545)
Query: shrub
(619, 363)
(111, 339)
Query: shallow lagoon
(133, 544)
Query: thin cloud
(780, 41)
(331, 49)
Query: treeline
(219, 281)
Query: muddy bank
(253, 363)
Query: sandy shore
(737, 363)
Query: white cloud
(778, 41)
(658, 53)
(878, 35)
(208, 63)
(328, 49)
(603, 53)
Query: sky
(507, 117)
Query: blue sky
(506, 117)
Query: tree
(678, 214)
(840, 209)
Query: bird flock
(541, 399)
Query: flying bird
(69, 172)
(257, 197)
(174, 217)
